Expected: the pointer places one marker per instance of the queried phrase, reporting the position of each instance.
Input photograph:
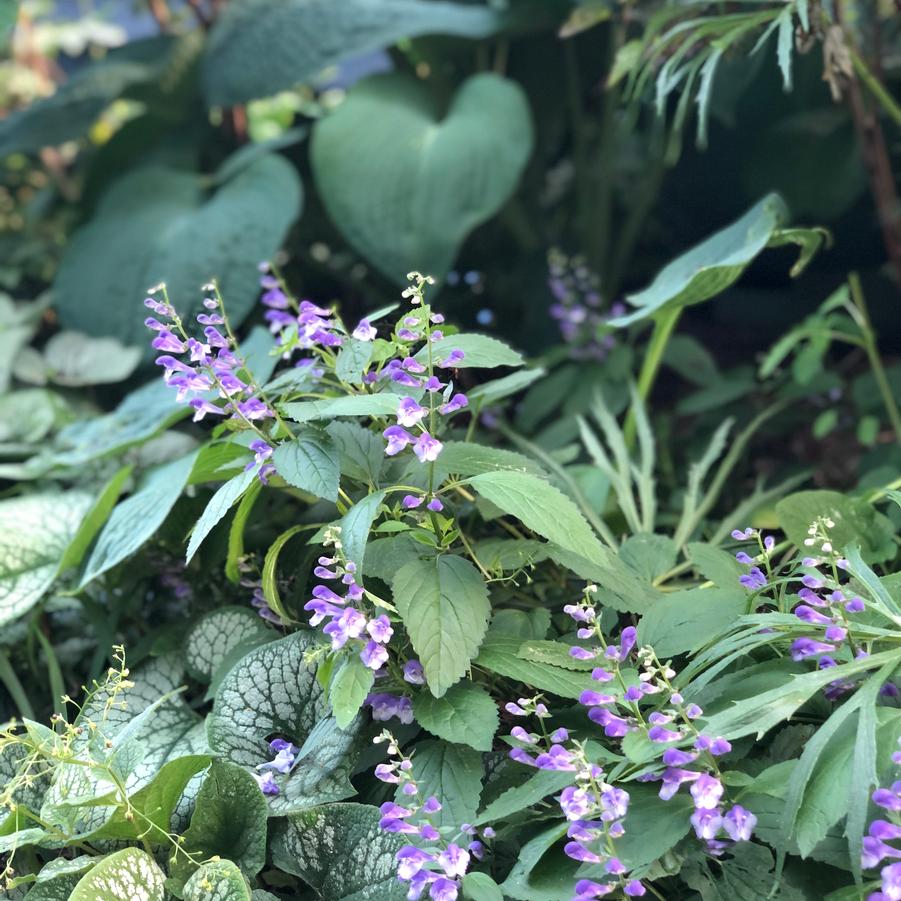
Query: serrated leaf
(536, 788)
(156, 224)
(136, 519)
(714, 564)
(356, 524)
(555, 653)
(444, 605)
(479, 352)
(384, 404)
(529, 499)
(216, 634)
(273, 692)
(360, 451)
(127, 875)
(229, 820)
(453, 774)
(349, 687)
(339, 850)
(466, 458)
(35, 531)
(309, 462)
(353, 359)
(257, 50)
(466, 158)
(226, 496)
(466, 714)
(218, 880)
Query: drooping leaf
(389, 146)
(256, 50)
(156, 224)
(273, 692)
(351, 683)
(35, 531)
(136, 519)
(453, 774)
(384, 404)
(535, 788)
(309, 462)
(444, 604)
(126, 875)
(339, 850)
(220, 503)
(466, 715)
(218, 880)
(356, 524)
(214, 637)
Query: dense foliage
(496, 494)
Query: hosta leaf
(127, 875)
(444, 605)
(34, 533)
(230, 820)
(217, 634)
(219, 880)
(530, 499)
(406, 181)
(711, 266)
(257, 50)
(136, 519)
(451, 773)
(310, 462)
(273, 692)
(466, 714)
(156, 224)
(339, 850)
(226, 496)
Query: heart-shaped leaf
(273, 692)
(216, 635)
(258, 48)
(157, 224)
(406, 181)
(127, 875)
(218, 880)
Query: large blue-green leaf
(406, 181)
(258, 48)
(161, 225)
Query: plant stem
(875, 87)
(873, 356)
(54, 673)
(664, 324)
(12, 684)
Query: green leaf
(536, 788)
(340, 852)
(256, 50)
(685, 620)
(273, 692)
(714, 564)
(74, 359)
(377, 405)
(219, 880)
(226, 496)
(529, 499)
(213, 638)
(712, 266)
(136, 519)
(353, 359)
(270, 570)
(500, 654)
(555, 653)
(465, 458)
(466, 161)
(540, 874)
(480, 352)
(481, 887)
(349, 687)
(309, 462)
(652, 825)
(229, 820)
(856, 522)
(444, 605)
(156, 224)
(127, 875)
(497, 389)
(360, 451)
(649, 555)
(35, 531)
(466, 714)
(356, 524)
(451, 773)
(236, 532)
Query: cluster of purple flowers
(259, 603)
(755, 578)
(577, 307)
(880, 832)
(440, 861)
(594, 809)
(283, 762)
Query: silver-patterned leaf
(217, 634)
(219, 880)
(127, 875)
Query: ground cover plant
(450, 451)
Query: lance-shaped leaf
(444, 604)
(127, 875)
(339, 850)
(717, 262)
(257, 49)
(273, 692)
(216, 636)
(156, 224)
(34, 533)
(220, 503)
(218, 880)
(409, 203)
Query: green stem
(664, 324)
(869, 337)
(876, 88)
(54, 673)
(12, 684)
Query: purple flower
(413, 672)
(453, 358)
(707, 822)
(267, 783)
(575, 802)
(634, 889)
(166, 340)
(411, 501)
(802, 648)
(753, 579)
(364, 331)
(427, 448)
(457, 402)
(435, 505)
(380, 629)
(556, 758)
(707, 792)
(891, 881)
(398, 439)
(374, 655)
(578, 851)
(409, 412)
(387, 706)
(739, 823)
(203, 407)
(454, 861)
(586, 889)
(444, 889)
(888, 799)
